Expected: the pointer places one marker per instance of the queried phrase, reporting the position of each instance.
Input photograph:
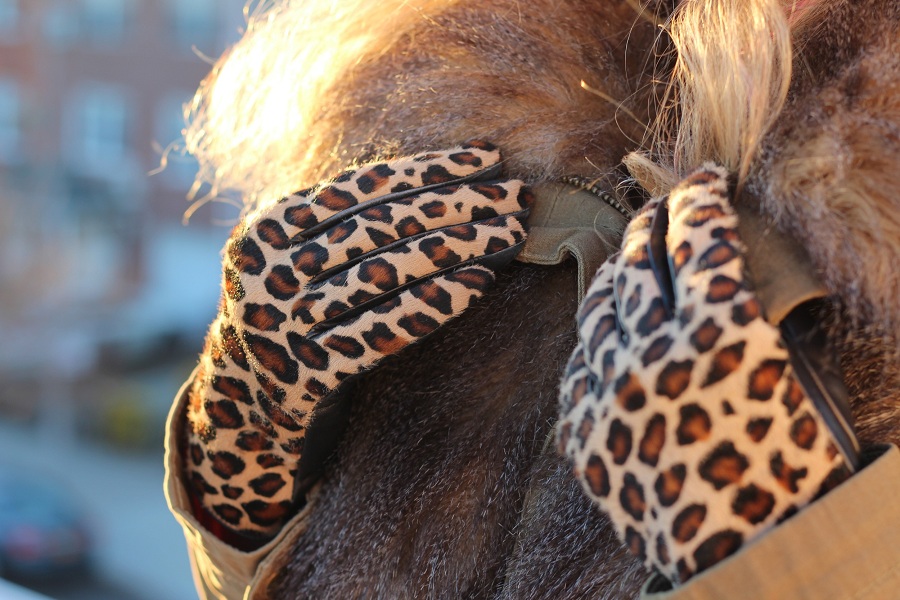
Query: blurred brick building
(93, 252)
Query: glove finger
(360, 342)
(597, 323)
(308, 214)
(641, 306)
(377, 227)
(590, 368)
(704, 245)
(579, 382)
(575, 383)
(493, 242)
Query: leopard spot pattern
(657, 398)
(295, 264)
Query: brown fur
(507, 70)
(426, 498)
(830, 174)
(440, 488)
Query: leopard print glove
(321, 286)
(681, 410)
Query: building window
(98, 123)
(105, 21)
(10, 121)
(179, 169)
(60, 24)
(194, 23)
(9, 19)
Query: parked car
(43, 533)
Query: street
(139, 550)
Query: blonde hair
(248, 123)
(732, 73)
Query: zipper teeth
(587, 185)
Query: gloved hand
(682, 408)
(320, 287)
